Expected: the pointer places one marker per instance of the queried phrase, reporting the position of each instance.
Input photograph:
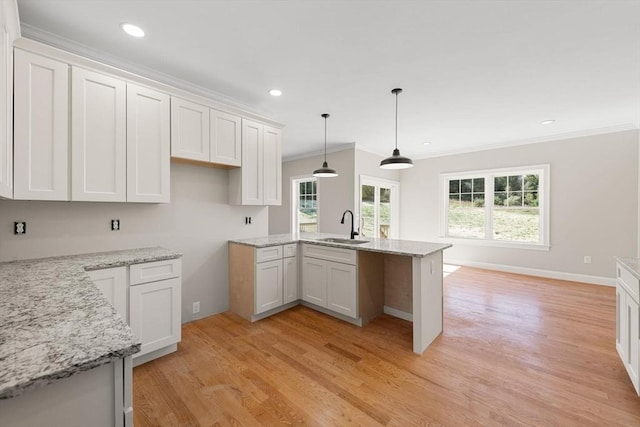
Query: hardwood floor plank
(515, 351)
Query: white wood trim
(398, 313)
(550, 274)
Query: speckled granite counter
(390, 246)
(55, 323)
(632, 264)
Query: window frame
(542, 170)
(295, 200)
(394, 201)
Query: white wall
(594, 202)
(335, 195)
(198, 222)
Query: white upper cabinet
(189, 130)
(225, 138)
(9, 31)
(203, 134)
(98, 137)
(272, 169)
(258, 181)
(148, 145)
(41, 128)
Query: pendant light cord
(396, 120)
(325, 139)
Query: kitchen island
(65, 352)
(398, 277)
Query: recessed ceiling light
(547, 122)
(275, 92)
(132, 30)
(426, 143)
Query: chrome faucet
(353, 232)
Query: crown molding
(32, 33)
(335, 148)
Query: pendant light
(325, 171)
(396, 161)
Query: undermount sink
(344, 241)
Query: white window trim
(543, 205)
(395, 206)
(295, 196)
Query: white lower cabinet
(329, 279)
(290, 279)
(314, 281)
(154, 291)
(155, 314)
(268, 285)
(341, 288)
(112, 282)
(627, 326)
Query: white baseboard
(549, 274)
(397, 313)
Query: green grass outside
(514, 224)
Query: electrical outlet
(20, 227)
(587, 259)
(196, 307)
(115, 225)
(247, 220)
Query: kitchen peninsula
(354, 280)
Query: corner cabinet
(262, 281)
(148, 297)
(9, 31)
(259, 180)
(627, 318)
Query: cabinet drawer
(153, 271)
(628, 281)
(269, 253)
(345, 256)
(290, 250)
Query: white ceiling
(475, 74)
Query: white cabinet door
(272, 169)
(112, 282)
(189, 130)
(9, 31)
(268, 286)
(621, 322)
(98, 137)
(342, 288)
(252, 163)
(148, 145)
(314, 281)
(225, 138)
(290, 280)
(631, 339)
(41, 128)
(154, 314)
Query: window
(305, 205)
(379, 200)
(504, 207)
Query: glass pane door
(379, 208)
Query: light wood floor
(515, 350)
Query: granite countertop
(632, 264)
(390, 246)
(55, 323)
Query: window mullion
(488, 204)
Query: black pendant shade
(396, 161)
(325, 171)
